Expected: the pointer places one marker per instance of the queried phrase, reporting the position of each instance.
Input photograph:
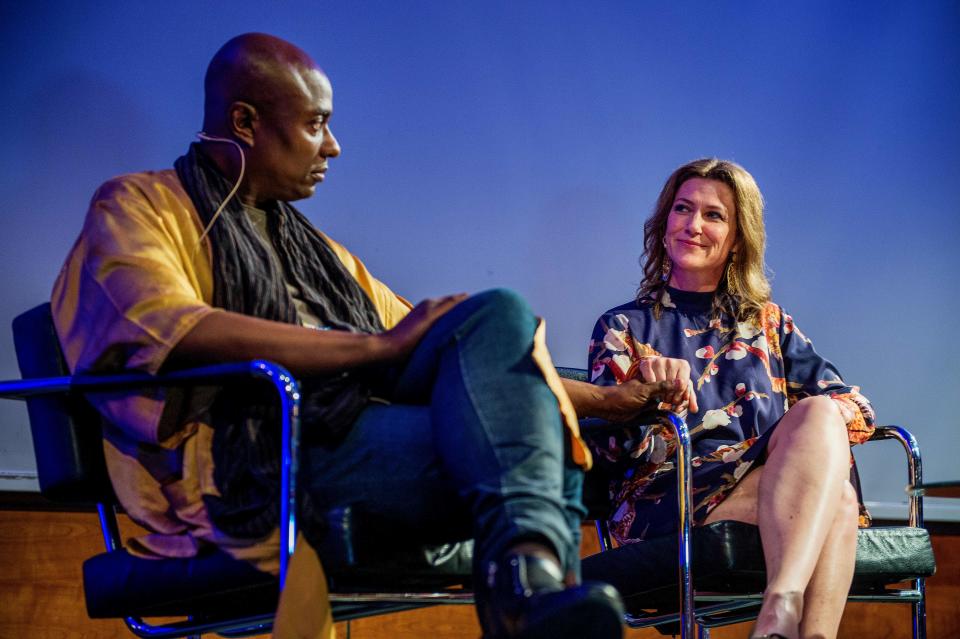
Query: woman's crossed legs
(806, 509)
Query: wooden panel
(41, 594)
(40, 584)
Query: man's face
(293, 140)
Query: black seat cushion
(357, 557)
(213, 584)
(727, 557)
(425, 568)
(118, 584)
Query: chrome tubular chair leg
(109, 526)
(685, 501)
(914, 478)
(289, 392)
(920, 611)
(603, 535)
(253, 625)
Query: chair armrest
(914, 465)
(684, 499)
(288, 392)
(85, 382)
(576, 374)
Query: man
(209, 263)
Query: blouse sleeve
(614, 353)
(808, 374)
(610, 357)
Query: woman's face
(701, 231)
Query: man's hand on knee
(400, 340)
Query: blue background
(522, 144)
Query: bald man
(440, 421)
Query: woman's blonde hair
(743, 289)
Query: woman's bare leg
(795, 499)
(827, 591)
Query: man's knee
(502, 305)
(503, 299)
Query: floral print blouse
(745, 377)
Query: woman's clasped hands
(681, 394)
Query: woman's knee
(819, 418)
(820, 406)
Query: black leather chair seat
(118, 584)
(727, 557)
(425, 568)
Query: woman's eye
(681, 208)
(715, 215)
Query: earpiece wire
(233, 191)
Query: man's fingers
(675, 392)
(448, 302)
(452, 300)
(678, 393)
(664, 390)
(437, 306)
(669, 379)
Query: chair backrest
(596, 483)
(576, 374)
(67, 439)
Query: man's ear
(244, 121)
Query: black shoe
(524, 597)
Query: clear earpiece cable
(233, 191)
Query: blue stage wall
(522, 144)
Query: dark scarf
(247, 279)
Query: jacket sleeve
(133, 285)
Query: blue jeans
(472, 446)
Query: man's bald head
(273, 100)
(255, 68)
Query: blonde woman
(771, 421)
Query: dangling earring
(665, 267)
(733, 285)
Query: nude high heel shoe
(780, 616)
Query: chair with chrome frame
(211, 592)
(215, 593)
(714, 575)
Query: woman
(770, 420)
